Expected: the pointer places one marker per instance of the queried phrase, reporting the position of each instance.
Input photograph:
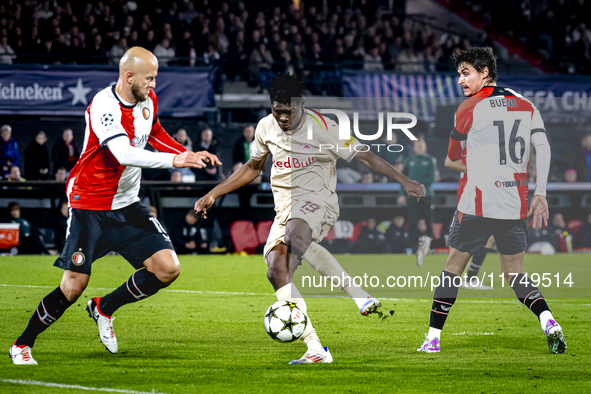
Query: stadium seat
(263, 230)
(437, 227)
(574, 226)
(244, 236)
(356, 231)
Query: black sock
(528, 294)
(51, 308)
(142, 284)
(444, 298)
(476, 262)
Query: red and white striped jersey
(495, 126)
(98, 182)
(463, 177)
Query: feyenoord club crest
(78, 258)
(146, 113)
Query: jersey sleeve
(459, 134)
(105, 121)
(162, 141)
(159, 138)
(344, 149)
(537, 123)
(261, 149)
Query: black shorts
(131, 231)
(469, 233)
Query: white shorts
(320, 210)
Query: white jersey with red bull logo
(98, 182)
(495, 127)
(302, 163)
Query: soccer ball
(285, 321)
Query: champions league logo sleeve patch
(107, 120)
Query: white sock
(291, 293)
(314, 345)
(325, 264)
(544, 317)
(434, 333)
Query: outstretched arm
(375, 163)
(127, 155)
(245, 174)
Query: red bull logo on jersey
(511, 183)
(293, 162)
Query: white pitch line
(74, 386)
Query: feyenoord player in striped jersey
(426, 243)
(496, 127)
(105, 213)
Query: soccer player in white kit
(303, 181)
(105, 213)
(496, 127)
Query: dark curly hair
(479, 58)
(286, 86)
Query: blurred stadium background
(216, 61)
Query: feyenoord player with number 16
(496, 127)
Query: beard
(138, 93)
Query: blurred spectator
(207, 141)
(176, 176)
(396, 236)
(211, 55)
(30, 238)
(348, 175)
(570, 175)
(117, 51)
(367, 178)
(7, 54)
(583, 237)
(60, 225)
(182, 138)
(61, 175)
(582, 162)
(408, 62)
(8, 150)
(37, 158)
(370, 240)
(190, 237)
(65, 153)
(373, 60)
(237, 56)
(97, 51)
(422, 168)
(261, 61)
(164, 53)
(15, 175)
(243, 146)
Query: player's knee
(72, 289)
(168, 271)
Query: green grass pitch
(203, 335)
